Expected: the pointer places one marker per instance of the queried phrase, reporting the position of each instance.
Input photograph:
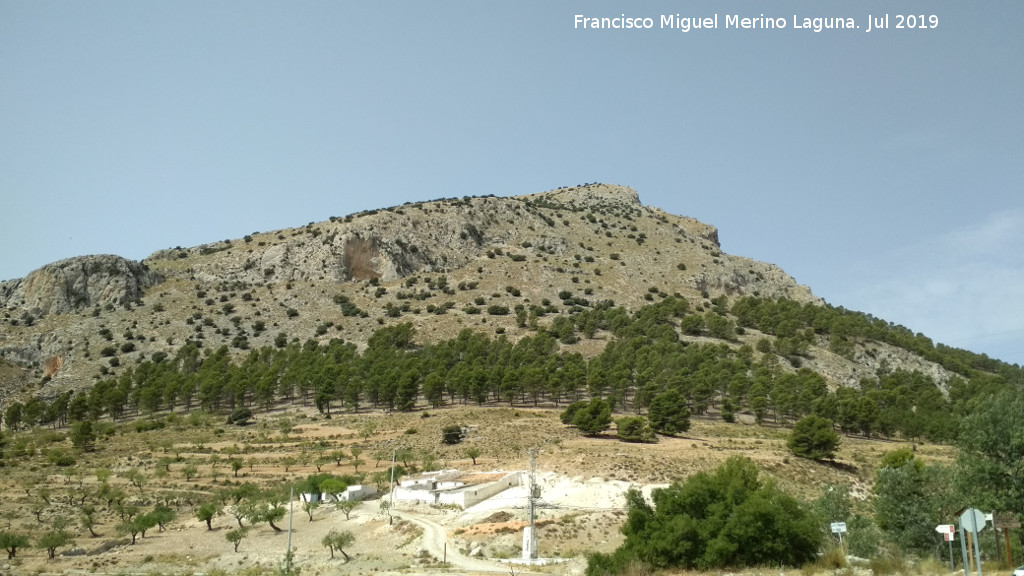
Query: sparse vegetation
(323, 355)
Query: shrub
(453, 434)
(813, 437)
(240, 416)
(714, 520)
(668, 413)
(593, 418)
(634, 429)
(147, 425)
(570, 411)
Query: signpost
(972, 521)
(948, 531)
(1005, 521)
(839, 528)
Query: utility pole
(391, 505)
(394, 460)
(533, 482)
(291, 507)
(532, 493)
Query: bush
(240, 416)
(147, 425)
(725, 518)
(593, 418)
(668, 413)
(814, 437)
(453, 434)
(570, 411)
(634, 429)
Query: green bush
(453, 434)
(634, 429)
(570, 411)
(593, 417)
(726, 518)
(240, 416)
(668, 413)
(813, 437)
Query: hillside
(439, 264)
(581, 507)
(367, 336)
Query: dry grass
(502, 435)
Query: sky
(882, 168)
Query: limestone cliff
(77, 283)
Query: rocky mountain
(444, 265)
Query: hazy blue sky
(884, 169)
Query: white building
(451, 487)
(354, 492)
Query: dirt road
(435, 538)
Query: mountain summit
(509, 266)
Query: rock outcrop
(77, 283)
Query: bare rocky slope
(71, 322)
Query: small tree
(236, 535)
(332, 486)
(82, 435)
(339, 540)
(593, 418)
(11, 541)
(129, 527)
(356, 451)
(189, 471)
(473, 454)
(87, 518)
(634, 429)
(814, 437)
(53, 539)
(668, 413)
(163, 516)
(346, 506)
(137, 478)
(338, 456)
(385, 507)
(268, 512)
(207, 511)
(309, 507)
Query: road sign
(1005, 521)
(949, 537)
(945, 528)
(972, 520)
(838, 527)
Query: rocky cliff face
(77, 283)
(439, 264)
